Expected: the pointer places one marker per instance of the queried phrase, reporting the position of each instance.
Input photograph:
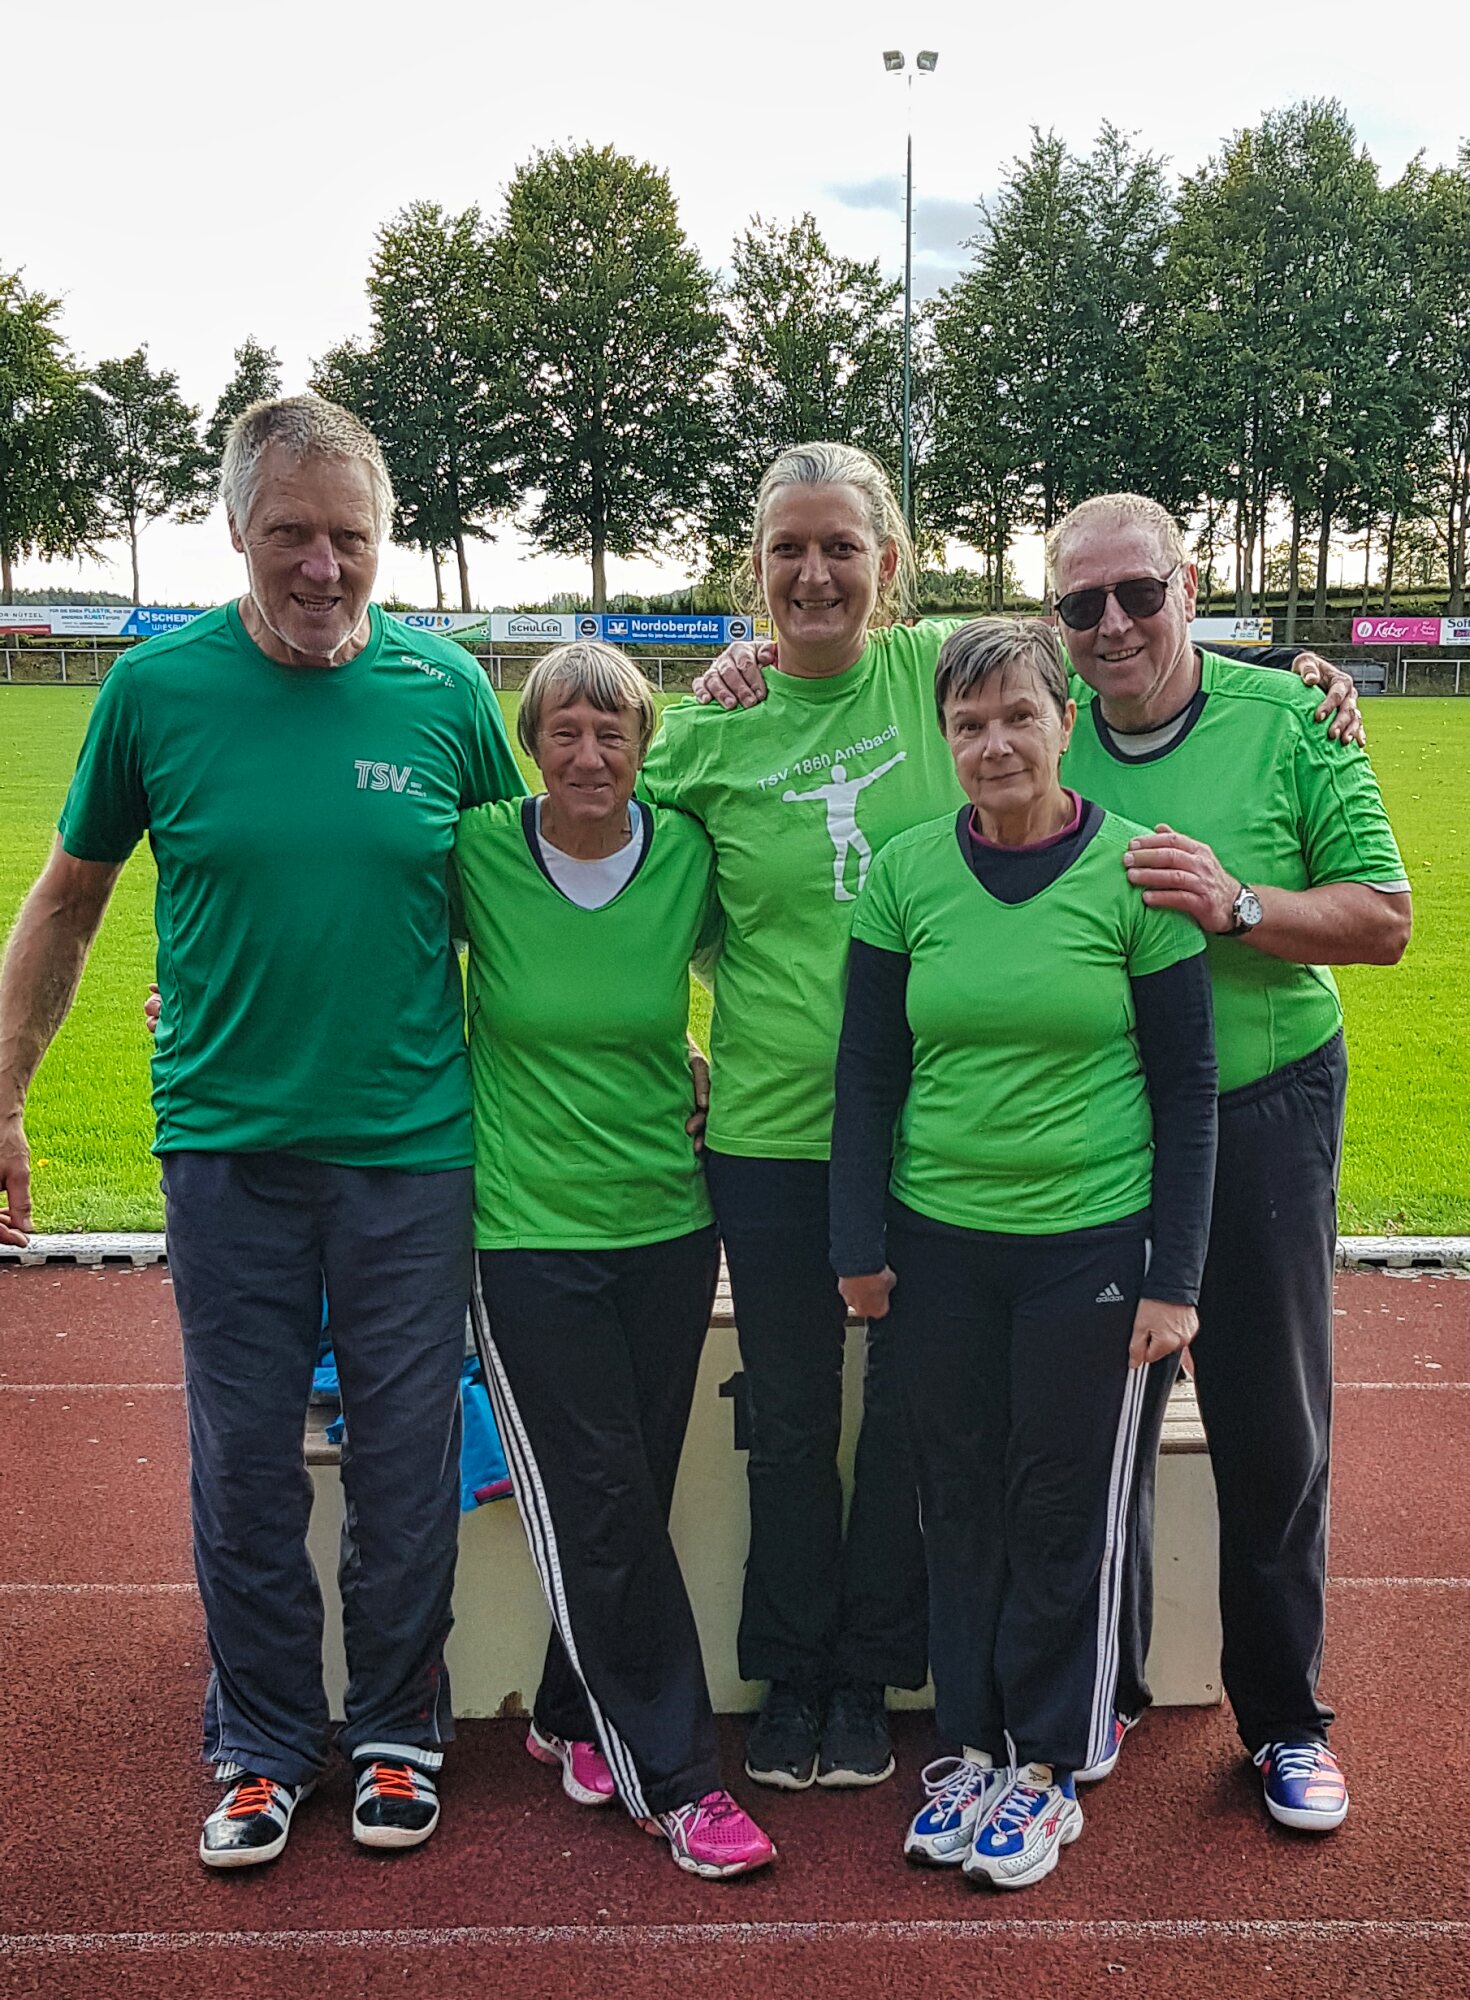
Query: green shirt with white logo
(577, 1039)
(1028, 1110)
(1281, 805)
(302, 821)
(798, 796)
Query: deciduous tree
(153, 465)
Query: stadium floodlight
(926, 62)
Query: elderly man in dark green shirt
(298, 763)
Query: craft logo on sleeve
(377, 777)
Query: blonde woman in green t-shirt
(595, 1248)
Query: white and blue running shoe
(1034, 1817)
(960, 1793)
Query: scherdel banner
(1397, 631)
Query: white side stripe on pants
(1110, 1579)
(541, 1535)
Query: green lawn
(1408, 1155)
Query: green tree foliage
(1441, 281)
(815, 351)
(611, 318)
(152, 463)
(48, 490)
(431, 381)
(257, 377)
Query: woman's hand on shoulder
(737, 678)
(868, 1296)
(1160, 1327)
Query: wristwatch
(1245, 912)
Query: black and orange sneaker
(250, 1824)
(396, 1804)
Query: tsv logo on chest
(375, 777)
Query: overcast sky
(186, 175)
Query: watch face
(1248, 910)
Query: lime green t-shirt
(1028, 1110)
(302, 821)
(578, 1055)
(798, 796)
(1281, 805)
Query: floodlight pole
(908, 309)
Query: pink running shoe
(585, 1777)
(714, 1837)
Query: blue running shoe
(1106, 1764)
(1033, 1818)
(1303, 1785)
(960, 1793)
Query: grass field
(1408, 1150)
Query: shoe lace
(252, 1795)
(950, 1780)
(1018, 1806)
(855, 1701)
(786, 1702)
(392, 1781)
(1294, 1760)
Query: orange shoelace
(392, 1781)
(255, 1795)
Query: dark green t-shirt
(302, 821)
(577, 1040)
(1028, 1111)
(798, 796)
(1281, 805)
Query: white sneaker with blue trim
(1018, 1841)
(961, 1789)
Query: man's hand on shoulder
(737, 678)
(1338, 707)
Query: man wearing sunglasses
(1276, 843)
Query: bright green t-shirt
(578, 1055)
(1281, 805)
(1028, 1111)
(302, 820)
(798, 796)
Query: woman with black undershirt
(1022, 1160)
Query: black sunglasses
(1139, 596)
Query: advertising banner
(1454, 631)
(95, 621)
(1232, 631)
(1396, 631)
(453, 624)
(541, 628)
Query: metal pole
(908, 307)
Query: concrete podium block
(501, 1623)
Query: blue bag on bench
(482, 1469)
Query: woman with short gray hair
(595, 1249)
(1025, 1127)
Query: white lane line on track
(639, 1937)
(132, 1388)
(1398, 1583)
(1401, 1385)
(105, 1589)
(191, 1590)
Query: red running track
(1180, 1887)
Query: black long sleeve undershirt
(1175, 1027)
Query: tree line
(1277, 347)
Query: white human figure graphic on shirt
(840, 798)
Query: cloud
(943, 224)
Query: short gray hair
(986, 647)
(585, 671)
(826, 464)
(1125, 509)
(304, 427)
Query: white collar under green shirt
(590, 884)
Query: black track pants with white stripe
(591, 1357)
(1013, 1351)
